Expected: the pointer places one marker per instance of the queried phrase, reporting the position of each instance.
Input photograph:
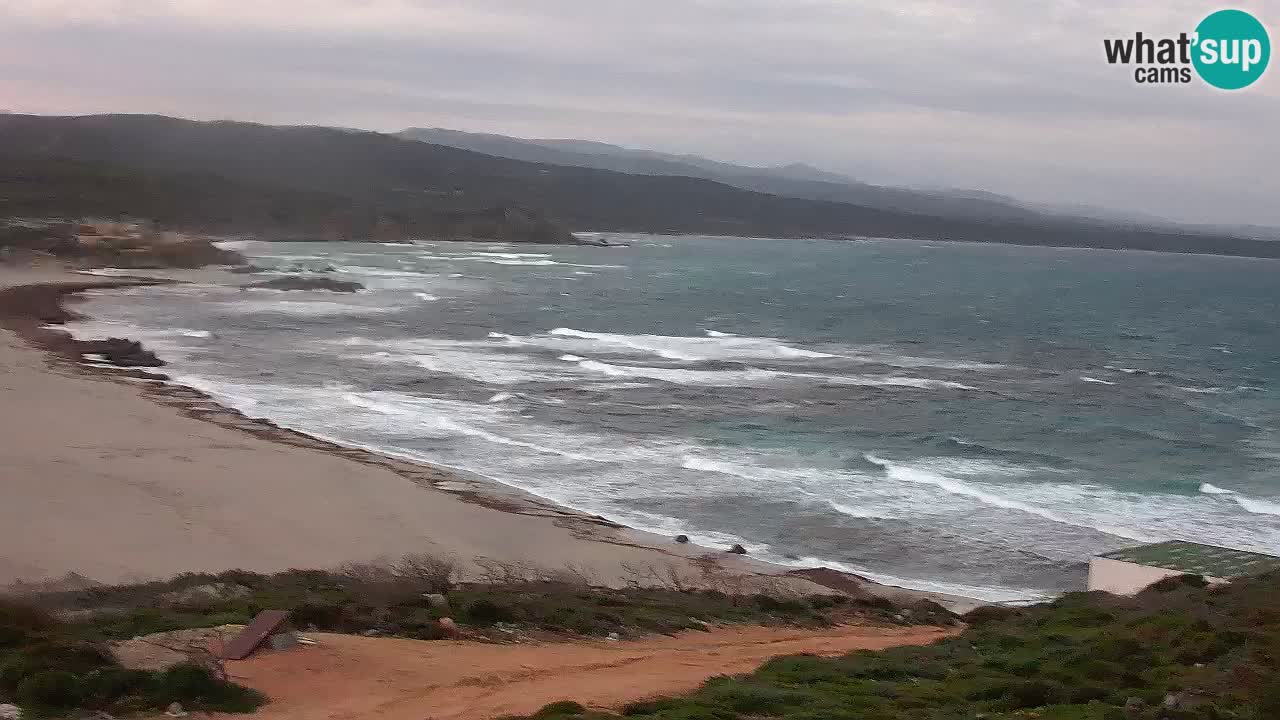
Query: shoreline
(27, 308)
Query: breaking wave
(1257, 506)
(926, 476)
(690, 349)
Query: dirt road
(354, 678)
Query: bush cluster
(392, 600)
(45, 666)
(1179, 651)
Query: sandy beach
(118, 479)
(114, 477)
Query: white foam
(924, 476)
(111, 272)
(1257, 506)
(380, 272)
(513, 256)
(891, 381)
(1125, 370)
(681, 348)
(236, 244)
(854, 512)
(752, 377)
(718, 334)
(572, 358)
(706, 465)
(413, 409)
(1201, 390)
(1094, 380)
(426, 297)
(490, 369)
(312, 308)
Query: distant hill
(805, 181)
(796, 180)
(337, 183)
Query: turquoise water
(972, 418)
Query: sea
(967, 418)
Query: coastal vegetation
(409, 597)
(1180, 650)
(55, 645)
(48, 667)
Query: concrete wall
(1126, 578)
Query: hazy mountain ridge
(794, 180)
(805, 181)
(386, 186)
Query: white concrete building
(1129, 571)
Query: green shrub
(1034, 694)
(785, 606)
(563, 708)
(195, 687)
(20, 624)
(323, 615)
(989, 614)
(49, 689)
(104, 686)
(1268, 701)
(13, 669)
(1177, 582)
(488, 612)
(749, 699)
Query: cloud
(1004, 95)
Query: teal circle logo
(1231, 49)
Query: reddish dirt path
(353, 678)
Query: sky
(1007, 96)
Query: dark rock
(737, 549)
(122, 352)
(682, 539)
(598, 242)
(309, 283)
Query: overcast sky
(1011, 96)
